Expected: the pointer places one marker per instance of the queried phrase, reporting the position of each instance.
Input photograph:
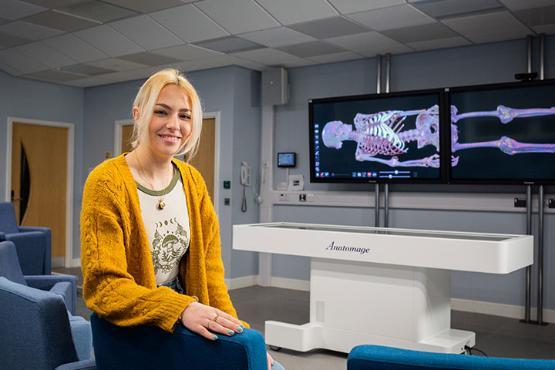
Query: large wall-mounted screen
(503, 133)
(376, 138)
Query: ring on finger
(215, 319)
(208, 325)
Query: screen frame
(286, 153)
(447, 133)
(441, 98)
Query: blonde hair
(148, 96)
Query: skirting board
(466, 305)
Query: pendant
(161, 204)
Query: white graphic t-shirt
(167, 225)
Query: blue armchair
(33, 243)
(63, 285)
(370, 357)
(148, 347)
(37, 333)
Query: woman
(150, 237)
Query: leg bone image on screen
(506, 144)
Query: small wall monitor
(376, 138)
(503, 133)
(286, 159)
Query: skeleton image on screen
(382, 134)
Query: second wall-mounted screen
(503, 133)
(376, 138)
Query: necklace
(161, 204)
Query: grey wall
(482, 64)
(246, 147)
(24, 98)
(228, 91)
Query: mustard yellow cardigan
(118, 274)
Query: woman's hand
(270, 361)
(206, 320)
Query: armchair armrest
(33, 251)
(78, 365)
(64, 285)
(26, 229)
(149, 347)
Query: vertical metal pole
(386, 206)
(387, 71)
(540, 255)
(542, 56)
(529, 54)
(378, 74)
(528, 282)
(528, 295)
(377, 205)
(386, 186)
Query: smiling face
(171, 124)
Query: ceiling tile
(488, 27)
(145, 32)
(57, 20)
(109, 41)
(44, 53)
(450, 42)
(186, 52)
(145, 6)
(269, 57)
(9, 69)
(295, 11)
(75, 48)
(423, 32)
(334, 58)
(370, 44)
(537, 16)
(237, 16)
(28, 31)
(116, 64)
(275, 37)
(189, 23)
(15, 9)
(548, 29)
(206, 63)
(249, 64)
(312, 48)
(55, 3)
(4, 20)
(526, 4)
(53, 76)
(7, 41)
(446, 8)
(86, 69)
(149, 59)
(399, 16)
(98, 11)
(21, 62)
(330, 27)
(352, 6)
(229, 44)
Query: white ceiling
(87, 43)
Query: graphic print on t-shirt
(169, 244)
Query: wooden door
(39, 180)
(204, 160)
(126, 136)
